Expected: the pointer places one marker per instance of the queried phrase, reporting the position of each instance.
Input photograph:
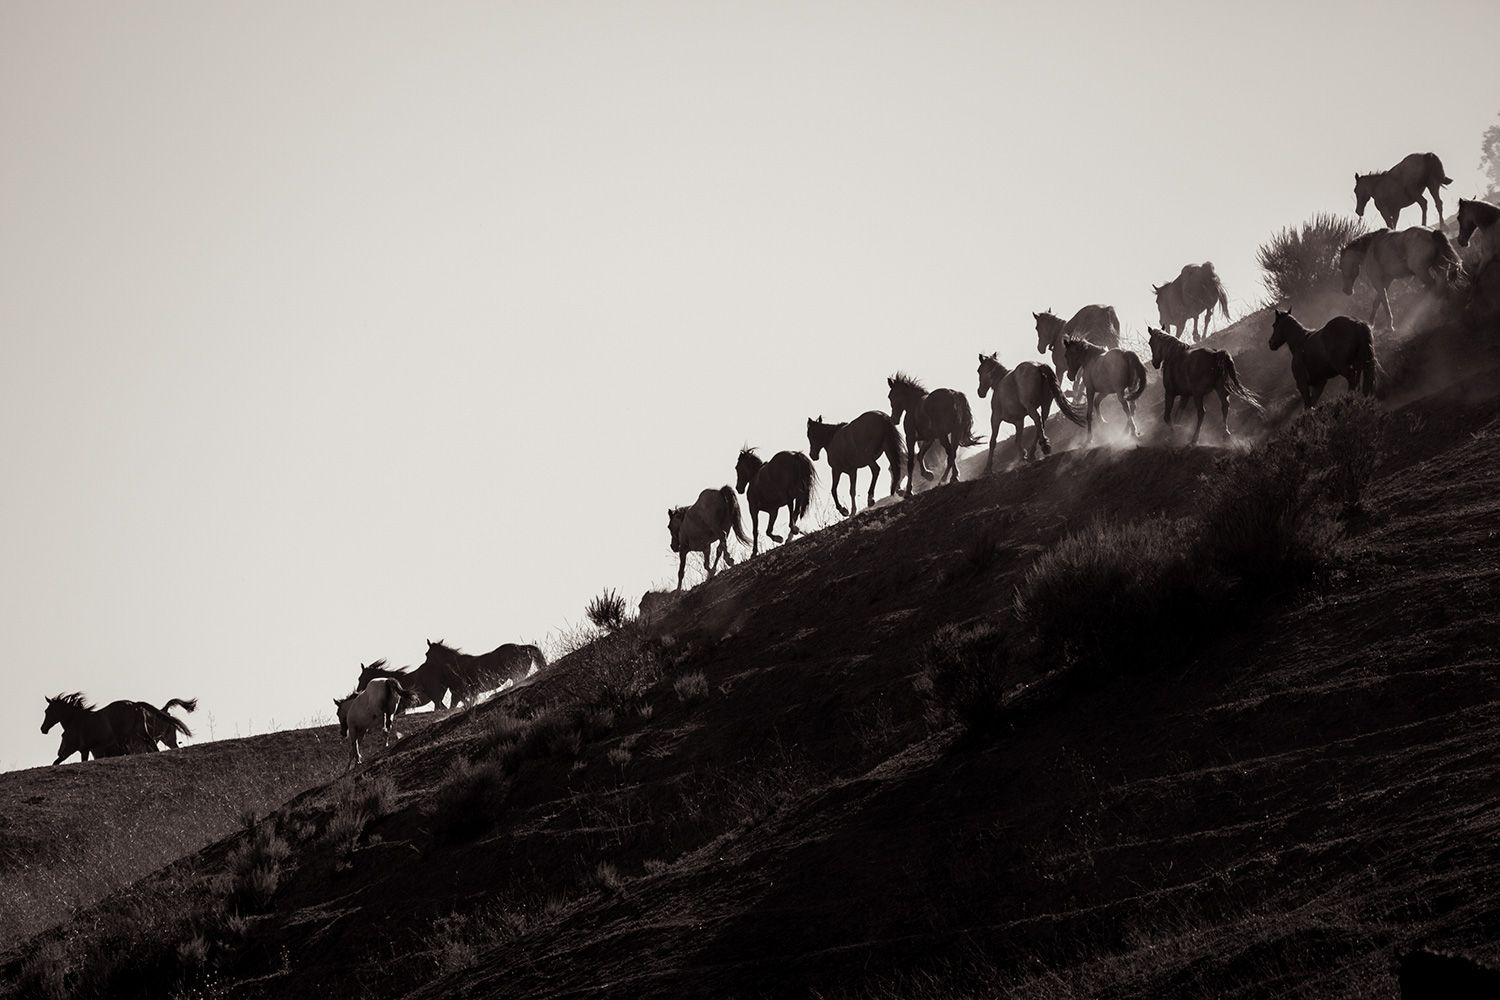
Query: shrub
(1348, 434)
(356, 804)
(255, 868)
(965, 670)
(607, 611)
(1102, 596)
(691, 687)
(469, 801)
(1303, 260)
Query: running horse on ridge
(1343, 346)
(857, 445)
(785, 481)
(697, 527)
(428, 683)
(1196, 290)
(1394, 189)
(1027, 391)
(941, 416)
(1193, 373)
(470, 674)
(1385, 256)
(1103, 373)
(115, 730)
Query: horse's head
(1047, 327)
(1161, 345)
(905, 393)
(674, 523)
(745, 468)
(440, 654)
(1364, 189)
(61, 708)
(341, 706)
(991, 371)
(368, 674)
(1350, 259)
(1163, 295)
(52, 717)
(1282, 329)
(1075, 353)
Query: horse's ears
(891, 382)
(1036, 315)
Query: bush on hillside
(607, 611)
(1115, 596)
(966, 676)
(470, 800)
(1300, 261)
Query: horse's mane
(1362, 243)
(76, 699)
(1080, 344)
(901, 378)
(376, 664)
(442, 644)
(748, 452)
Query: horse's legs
(994, 433)
(1020, 425)
(837, 477)
(1224, 403)
(1093, 407)
(724, 550)
(1198, 402)
(755, 531)
(710, 568)
(1423, 202)
(1437, 202)
(1313, 391)
(854, 485)
(950, 444)
(681, 567)
(771, 524)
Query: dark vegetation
(607, 611)
(1139, 723)
(1299, 262)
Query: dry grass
(1301, 261)
(607, 611)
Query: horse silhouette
(697, 527)
(1193, 373)
(1394, 189)
(1105, 372)
(941, 416)
(1028, 391)
(1196, 290)
(1342, 346)
(857, 445)
(785, 481)
(1385, 256)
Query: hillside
(751, 799)
(70, 835)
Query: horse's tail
(1049, 379)
(732, 504)
(1113, 322)
(1235, 386)
(166, 719)
(1220, 296)
(802, 485)
(1372, 372)
(966, 421)
(188, 704)
(1435, 169)
(895, 451)
(1137, 385)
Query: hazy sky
(329, 327)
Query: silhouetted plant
(1301, 260)
(607, 611)
(965, 676)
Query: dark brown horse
(429, 683)
(1403, 184)
(117, 729)
(473, 674)
(785, 481)
(1196, 290)
(1193, 373)
(941, 416)
(857, 445)
(1342, 346)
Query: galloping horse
(470, 674)
(1385, 255)
(1106, 372)
(857, 445)
(1401, 185)
(785, 481)
(1342, 346)
(695, 529)
(1194, 373)
(941, 416)
(1196, 290)
(428, 683)
(1028, 391)
(363, 710)
(117, 729)
(1480, 216)
(1097, 324)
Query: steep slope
(752, 803)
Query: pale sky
(331, 327)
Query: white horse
(362, 711)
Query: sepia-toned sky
(329, 327)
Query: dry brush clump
(607, 611)
(1302, 261)
(1117, 597)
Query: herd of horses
(1084, 349)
